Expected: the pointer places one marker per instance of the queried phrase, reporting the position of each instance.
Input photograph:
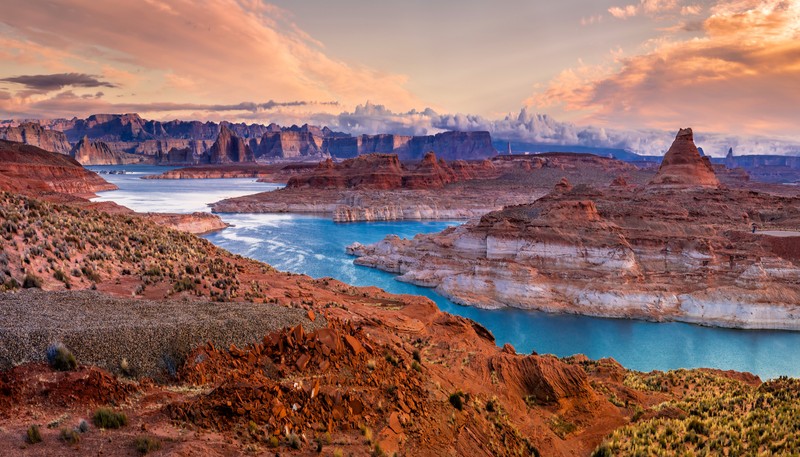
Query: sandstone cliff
(383, 172)
(289, 145)
(28, 169)
(229, 148)
(99, 153)
(659, 253)
(35, 135)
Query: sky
(611, 73)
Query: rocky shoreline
(681, 248)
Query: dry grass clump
(108, 418)
(722, 417)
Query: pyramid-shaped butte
(683, 166)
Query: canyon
(185, 338)
(680, 247)
(356, 370)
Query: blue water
(315, 246)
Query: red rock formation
(35, 135)
(229, 148)
(26, 168)
(384, 172)
(99, 153)
(687, 255)
(290, 144)
(683, 166)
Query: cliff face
(229, 148)
(290, 144)
(26, 169)
(660, 253)
(35, 135)
(452, 146)
(447, 145)
(383, 172)
(99, 153)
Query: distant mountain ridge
(191, 142)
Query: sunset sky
(595, 67)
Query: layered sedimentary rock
(27, 169)
(380, 187)
(683, 166)
(290, 144)
(686, 253)
(88, 152)
(381, 172)
(447, 145)
(35, 135)
(229, 148)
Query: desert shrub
(294, 441)
(367, 432)
(183, 284)
(60, 358)
(108, 418)
(70, 436)
(31, 281)
(602, 451)
(147, 444)
(83, 426)
(61, 276)
(34, 435)
(457, 400)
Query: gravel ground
(154, 337)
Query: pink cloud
(740, 76)
(222, 51)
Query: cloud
(57, 81)
(740, 75)
(221, 52)
(646, 7)
(529, 127)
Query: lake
(315, 246)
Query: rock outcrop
(381, 187)
(382, 172)
(290, 145)
(229, 148)
(685, 253)
(683, 166)
(88, 152)
(28, 169)
(35, 135)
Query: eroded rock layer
(26, 168)
(688, 255)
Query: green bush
(107, 418)
(147, 444)
(34, 435)
(60, 358)
(457, 400)
(31, 281)
(70, 436)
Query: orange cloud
(219, 51)
(741, 76)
